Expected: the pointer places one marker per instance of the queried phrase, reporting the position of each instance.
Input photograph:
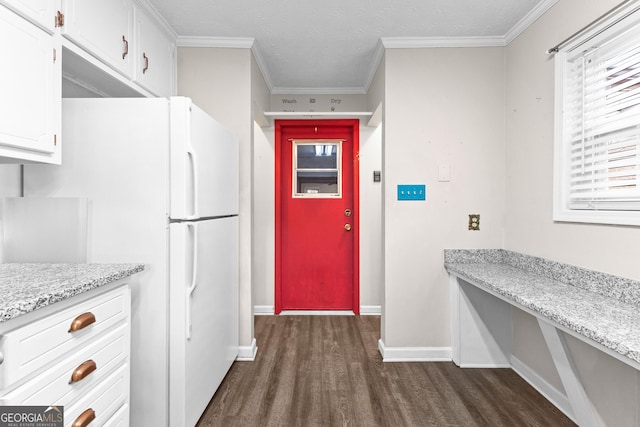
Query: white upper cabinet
(155, 52)
(111, 48)
(103, 28)
(30, 84)
(40, 12)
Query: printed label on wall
(318, 103)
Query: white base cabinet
(47, 363)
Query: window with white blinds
(599, 141)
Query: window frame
(618, 213)
(295, 169)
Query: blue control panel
(412, 192)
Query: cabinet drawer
(120, 418)
(104, 400)
(41, 343)
(53, 387)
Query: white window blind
(600, 119)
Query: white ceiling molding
(384, 43)
(319, 91)
(158, 17)
(222, 42)
(375, 63)
(428, 42)
(262, 65)
(231, 43)
(528, 19)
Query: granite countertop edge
(26, 287)
(568, 314)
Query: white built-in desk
(599, 309)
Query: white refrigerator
(161, 180)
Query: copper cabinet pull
(146, 63)
(82, 371)
(84, 418)
(82, 321)
(126, 47)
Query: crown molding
(531, 17)
(428, 42)
(231, 43)
(375, 63)
(318, 91)
(262, 65)
(383, 43)
(222, 42)
(164, 25)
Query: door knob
(347, 227)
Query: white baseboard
(551, 393)
(263, 310)
(370, 310)
(365, 310)
(316, 313)
(414, 354)
(484, 365)
(247, 353)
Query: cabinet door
(154, 56)
(103, 28)
(30, 84)
(41, 12)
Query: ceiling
(332, 46)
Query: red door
(317, 215)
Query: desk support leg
(454, 298)
(580, 403)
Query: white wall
(371, 276)
(264, 220)
(10, 182)
(10, 186)
(530, 117)
(442, 106)
(530, 229)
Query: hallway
(327, 371)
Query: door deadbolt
(347, 212)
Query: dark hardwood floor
(327, 371)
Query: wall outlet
(474, 222)
(412, 192)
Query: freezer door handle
(193, 227)
(193, 160)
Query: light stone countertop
(595, 305)
(26, 287)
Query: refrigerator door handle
(193, 159)
(194, 275)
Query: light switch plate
(412, 192)
(444, 173)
